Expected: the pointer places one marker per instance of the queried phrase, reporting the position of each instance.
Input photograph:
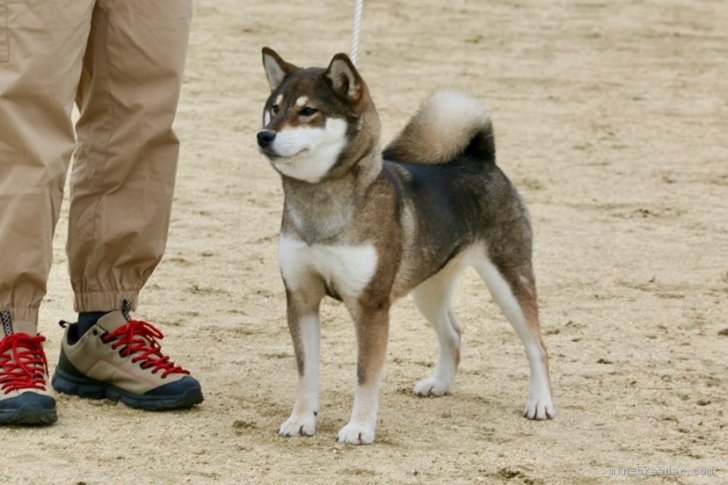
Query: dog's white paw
(540, 408)
(432, 387)
(298, 425)
(356, 434)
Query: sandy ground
(611, 118)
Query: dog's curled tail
(449, 124)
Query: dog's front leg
(372, 331)
(303, 323)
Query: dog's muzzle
(265, 138)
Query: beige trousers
(122, 63)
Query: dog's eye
(308, 111)
(274, 109)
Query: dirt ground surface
(610, 117)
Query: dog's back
(443, 165)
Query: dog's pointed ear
(344, 78)
(276, 69)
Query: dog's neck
(320, 212)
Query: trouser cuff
(100, 301)
(24, 320)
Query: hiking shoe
(121, 359)
(23, 374)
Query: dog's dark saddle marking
(456, 203)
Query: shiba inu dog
(367, 226)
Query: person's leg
(43, 43)
(124, 170)
(41, 50)
(121, 196)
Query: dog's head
(316, 121)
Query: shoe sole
(28, 414)
(91, 389)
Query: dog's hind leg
(514, 289)
(432, 298)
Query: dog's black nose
(266, 137)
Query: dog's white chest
(347, 269)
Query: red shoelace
(138, 339)
(23, 363)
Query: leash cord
(358, 9)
